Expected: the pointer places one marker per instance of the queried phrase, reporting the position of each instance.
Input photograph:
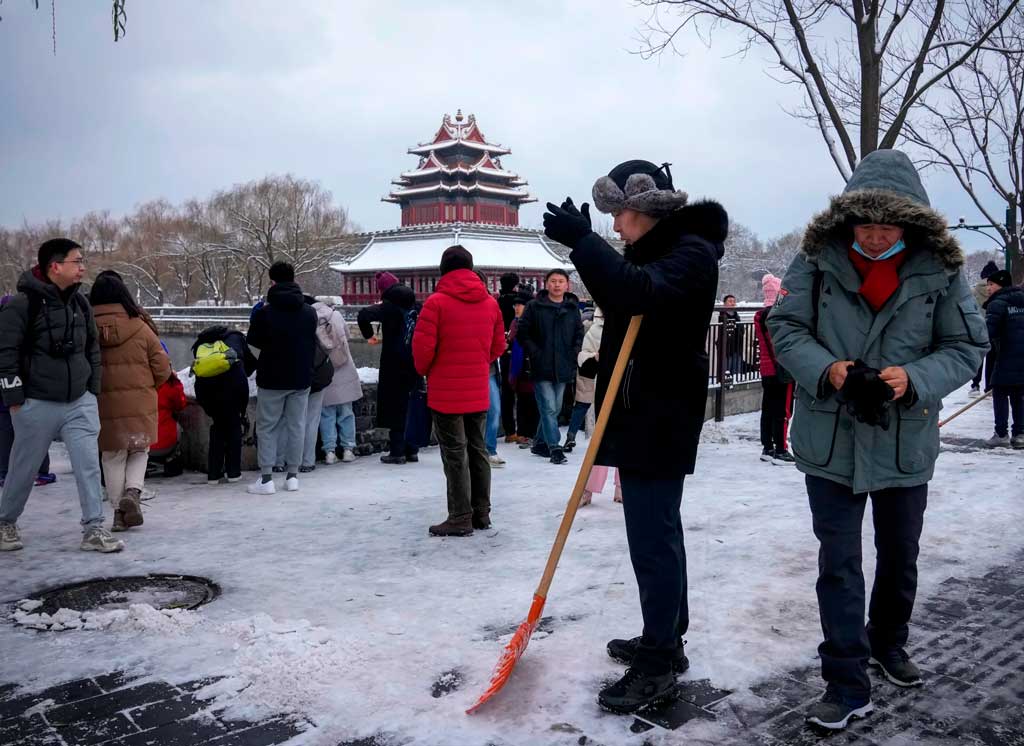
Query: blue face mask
(896, 249)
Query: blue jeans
(335, 420)
(579, 414)
(549, 404)
(493, 417)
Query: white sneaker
(10, 539)
(232, 480)
(348, 456)
(974, 393)
(496, 461)
(261, 488)
(212, 482)
(331, 457)
(291, 484)
(98, 539)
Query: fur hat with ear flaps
(640, 186)
(884, 189)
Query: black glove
(866, 396)
(566, 224)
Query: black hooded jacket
(284, 331)
(552, 335)
(670, 276)
(397, 373)
(1004, 313)
(231, 388)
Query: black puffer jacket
(506, 302)
(397, 372)
(552, 335)
(38, 370)
(284, 331)
(231, 388)
(670, 276)
(1004, 313)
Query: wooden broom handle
(588, 460)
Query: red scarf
(880, 280)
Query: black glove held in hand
(566, 224)
(866, 395)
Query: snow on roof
(471, 144)
(423, 249)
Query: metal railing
(734, 356)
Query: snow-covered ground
(337, 604)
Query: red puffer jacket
(458, 333)
(170, 399)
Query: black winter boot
(624, 651)
(557, 457)
(635, 690)
(458, 526)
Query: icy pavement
(338, 610)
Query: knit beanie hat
(385, 280)
(638, 185)
(509, 280)
(455, 257)
(770, 285)
(1001, 278)
(989, 269)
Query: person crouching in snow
(669, 272)
(877, 324)
(458, 335)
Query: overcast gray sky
(201, 95)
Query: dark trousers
(654, 531)
(775, 401)
(7, 442)
(225, 454)
(837, 515)
(527, 415)
(508, 400)
(1004, 400)
(466, 468)
(397, 444)
(987, 364)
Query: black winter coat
(1004, 313)
(670, 276)
(506, 302)
(44, 372)
(552, 335)
(229, 390)
(284, 331)
(397, 373)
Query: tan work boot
(131, 507)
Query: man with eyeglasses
(49, 378)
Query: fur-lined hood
(885, 188)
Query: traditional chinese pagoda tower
(458, 194)
(459, 179)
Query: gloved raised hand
(866, 396)
(566, 224)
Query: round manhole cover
(104, 594)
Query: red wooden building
(458, 193)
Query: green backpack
(212, 359)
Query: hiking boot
(783, 458)
(387, 458)
(635, 690)
(291, 484)
(540, 449)
(10, 539)
(481, 521)
(118, 524)
(570, 443)
(1017, 441)
(330, 457)
(835, 711)
(348, 456)
(259, 487)
(461, 526)
(496, 461)
(98, 539)
(998, 441)
(131, 508)
(766, 455)
(306, 469)
(557, 457)
(896, 666)
(624, 651)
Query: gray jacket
(58, 359)
(931, 327)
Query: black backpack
(323, 369)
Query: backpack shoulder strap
(35, 306)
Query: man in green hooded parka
(876, 324)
